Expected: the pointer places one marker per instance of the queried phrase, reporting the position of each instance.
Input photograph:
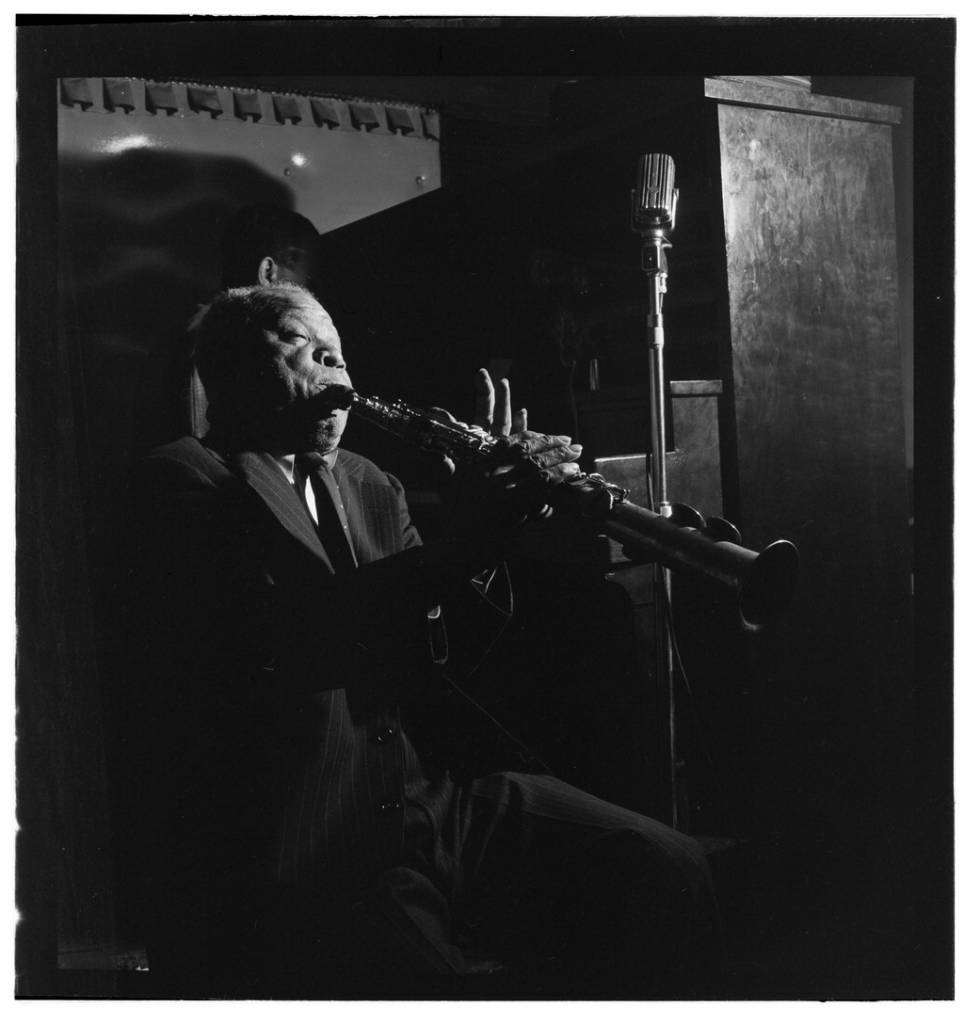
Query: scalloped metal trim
(255, 106)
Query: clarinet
(764, 581)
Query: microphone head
(655, 195)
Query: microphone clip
(654, 245)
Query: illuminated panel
(338, 159)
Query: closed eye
(294, 338)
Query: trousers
(575, 895)
(557, 893)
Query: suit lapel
(357, 511)
(370, 513)
(266, 478)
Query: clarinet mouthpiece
(334, 396)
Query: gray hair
(227, 333)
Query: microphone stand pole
(654, 265)
(655, 268)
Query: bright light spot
(126, 143)
(299, 159)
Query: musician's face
(303, 355)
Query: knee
(667, 868)
(646, 918)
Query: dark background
(810, 924)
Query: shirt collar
(287, 463)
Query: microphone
(654, 198)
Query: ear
(267, 271)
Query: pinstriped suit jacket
(277, 684)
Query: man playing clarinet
(299, 829)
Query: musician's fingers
(559, 473)
(533, 478)
(558, 457)
(535, 442)
(502, 411)
(442, 415)
(544, 451)
(520, 421)
(484, 400)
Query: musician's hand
(538, 461)
(551, 456)
(444, 416)
(512, 486)
(493, 407)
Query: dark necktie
(332, 524)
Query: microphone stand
(653, 225)
(654, 262)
